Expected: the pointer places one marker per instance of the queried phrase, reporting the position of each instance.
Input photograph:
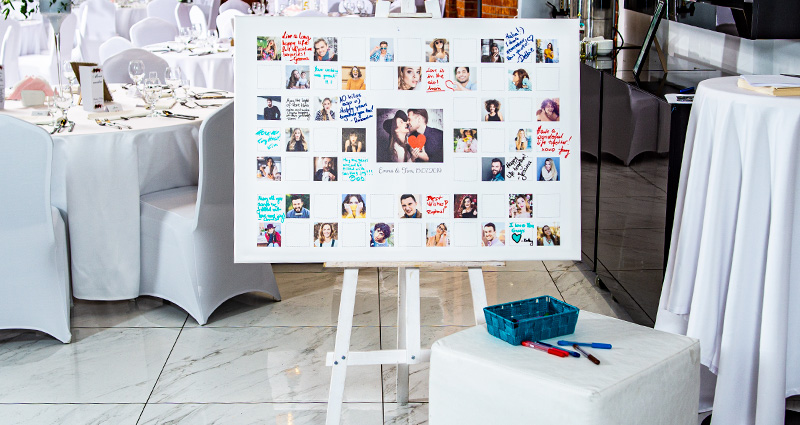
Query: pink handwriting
(296, 47)
(550, 140)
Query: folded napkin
(292, 10)
(30, 83)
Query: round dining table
(733, 272)
(99, 173)
(202, 67)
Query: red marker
(549, 350)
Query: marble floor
(257, 361)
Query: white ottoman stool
(648, 378)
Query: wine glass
(63, 99)
(152, 93)
(198, 34)
(212, 36)
(172, 76)
(68, 73)
(136, 72)
(50, 101)
(349, 5)
(185, 35)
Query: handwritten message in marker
(436, 204)
(353, 108)
(326, 76)
(296, 47)
(519, 47)
(355, 169)
(550, 140)
(522, 234)
(435, 80)
(298, 108)
(517, 168)
(270, 208)
(268, 139)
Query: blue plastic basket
(533, 319)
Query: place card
(92, 88)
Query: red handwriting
(437, 205)
(434, 77)
(296, 47)
(550, 140)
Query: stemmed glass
(185, 36)
(69, 74)
(152, 92)
(349, 5)
(212, 37)
(198, 34)
(63, 100)
(258, 8)
(136, 72)
(172, 76)
(50, 101)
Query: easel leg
(478, 294)
(402, 315)
(341, 350)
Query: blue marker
(571, 353)
(585, 344)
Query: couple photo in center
(411, 135)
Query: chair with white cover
(239, 5)
(46, 64)
(9, 50)
(164, 9)
(187, 233)
(152, 30)
(97, 24)
(225, 22)
(197, 17)
(182, 15)
(112, 46)
(115, 68)
(34, 290)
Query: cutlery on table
(170, 114)
(108, 122)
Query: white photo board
(406, 140)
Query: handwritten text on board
(517, 168)
(436, 81)
(522, 233)
(355, 169)
(436, 204)
(353, 108)
(296, 47)
(519, 47)
(270, 208)
(298, 108)
(268, 139)
(328, 74)
(550, 140)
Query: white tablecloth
(213, 71)
(99, 173)
(734, 260)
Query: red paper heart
(417, 142)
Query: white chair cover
(164, 9)
(34, 289)
(115, 68)
(225, 22)
(187, 233)
(197, 17)
(333, 6)
(182, 15)
(239, 5)
(45, 64)
(210, 9)
(113, 46)
(151, 31)
(97, 24)
(9, 50)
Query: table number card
(92, 88)
(406, 140)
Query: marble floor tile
(557, 267)
(258, 414)
(410, 414)
(101, 365)
(254, 365)
(60, 414)
(621, 183)
(304, 268)
(578, 290)
(308, 299)
(418, 373)
(446, 298)
(633, 212)
(644, 286)
(142, 312)
(631, 249)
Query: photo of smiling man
(408, 206)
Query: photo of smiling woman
(355, 78)
(438, 51)
(397, 149)
(548, 236)
(493, 110)
(437, 235)
(408, 77)
(297, 140)
(549, 111)
(325, 113)
(325, 235)
(353, 206)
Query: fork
(118, 125)
(107, 124)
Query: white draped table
(99, 173)
(733, 276)
(214, 70)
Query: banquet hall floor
(257, 361)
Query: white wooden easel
(408, 326)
